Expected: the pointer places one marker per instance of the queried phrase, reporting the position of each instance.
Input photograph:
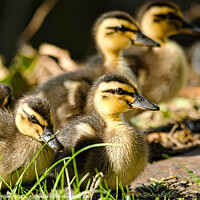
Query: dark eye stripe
(168, 16)
(109, 91)
(129, 93)
(29, 118)
(124, 92)
(122, 28)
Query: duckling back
(67, 93)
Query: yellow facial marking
(25, 126)
(159, 30)
(111, 105)
(110, 40)
(30, 111)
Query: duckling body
(110, 96)
(6, 98)
(67, 94)
(17, 154)
(113, 32)
(161, 72)
(21, 139)
(126, 161)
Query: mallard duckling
(113, 32)
(6, 97)
(161, 72)
(22, 135)
(110, 96)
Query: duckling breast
(23, 151)
(128, 159)
(165, 72)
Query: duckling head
(160, 19)
(116, 30)
(6, 97)
(33, 118)
(113, 94)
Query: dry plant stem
(174, 140)
(187, 131)
(63, 56)
(49, 64)
(170, 178)
(172, 131)
(95, 184)
(36, 21)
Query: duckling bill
(110, 96)
(143, 103)
(49, 137)
(189, 28)
(143, 40)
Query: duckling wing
(67, 93)
(8, 132)
(82, 133)
(7, 126)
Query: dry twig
(95, 184)
(63, 56)
(174, 140)
(36, 21)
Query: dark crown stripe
(149, 4)
(120, 17)
(114, 77)
(162, 4)
(116, 14)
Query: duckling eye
(33, 119)
(122, 28)
(119, 91)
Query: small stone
(180, 188)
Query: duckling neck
(112, 118)
(154, 32)
(113, 60)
